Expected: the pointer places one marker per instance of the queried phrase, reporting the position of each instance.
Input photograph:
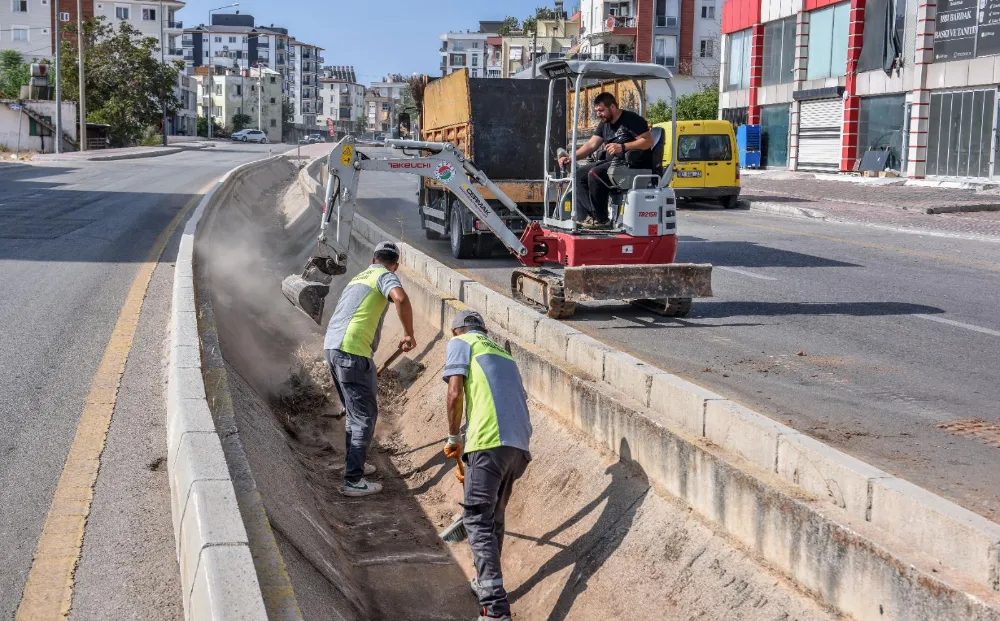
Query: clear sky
(376, 36)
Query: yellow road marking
(903, 251)
(48, 593)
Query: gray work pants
(489, 481)
(357, 385)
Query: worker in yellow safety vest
(485, 384)
(351, 340)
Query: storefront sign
(967, 29)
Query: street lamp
(211, 67)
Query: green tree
(693, 107)
(530, 23)
(241, 121)
(360, 126)
(287, 117)
(14, 73)
(217, 130)
(510, 24)
(126, 85)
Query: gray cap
(387, 246)
(468, 319)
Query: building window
(272, 99)
(37, 129)
(64, 17)
(149, 15)
(666, 13)
(19, 34)
(475, 73)
(475, 61)
(828, 41)
(19, 6)
(217, 40)
(218, 87)
(232, 39)
(779, 51)
(738, 60)
(244, 39)
(706, 48)
(123, 12)
(475, 45)
(239, 90)
(206, 54)
(665, 51)
(708, 11)
(274, 123)
(880, 127)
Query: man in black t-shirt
(620, 131)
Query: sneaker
(602, 225)
(485, 617)
(587, 222)
(361, 488)
(370, 469)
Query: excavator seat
(623, 176)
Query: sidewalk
(778, 186)
(108, 155)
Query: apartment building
(556, 37)
(254, 92)
(682, 35)
(342, 99)
(28, 26)
(464, 50)
(304, 62)
(383, 101)
(831, 81)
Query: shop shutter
(819, 135)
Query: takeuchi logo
(444, 173)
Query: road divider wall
(218, 575)
(862, 541)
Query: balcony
(187, 42)
(611, 58)
(175, 25)
(174, 51)
(616, 30)
(666, 21)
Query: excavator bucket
(636, 282)
(307, 296)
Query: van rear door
(720, 169)
(690, 169)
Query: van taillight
(737, 172)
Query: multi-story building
(255, 93)
(494, 56)
(828, 82)
(342, 99)
(464, 50)
(27, 26)
(556, 37)
(185, 121)
(304, 62)
(682, 35)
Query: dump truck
(500, 125)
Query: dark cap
(387, 247)
(468, 319)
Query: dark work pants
(489, 481)
(357, 385)
(593, 194)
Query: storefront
(820, 123)
(882, 125)
(774, 136)
(960, 134)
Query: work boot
(587, 222)
(361, 488)
(599, 225)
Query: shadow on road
(588, 553)
(751, 254)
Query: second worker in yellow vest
(483, 377)
(351, 340)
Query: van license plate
(689, 173)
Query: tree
(14, 73)
(241, 121)
(217, 130)
(126, 85)
(360, 125)
(510, 24)
(287, 117)
(692, 107)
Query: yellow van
(708, 164)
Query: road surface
(866, 338)
(72, 239)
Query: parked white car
(250, 135)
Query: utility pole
(59, 132)
(162, 62)
(534, 52)
(260, 98)
(83, 79)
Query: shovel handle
(385, 365)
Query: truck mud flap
(638, 282)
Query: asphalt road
(71, 238)
(867, 339)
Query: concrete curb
(869, 544)
(111, 156)
(218, 576)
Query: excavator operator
(626, 140)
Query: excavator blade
(635, 282)
(306, 295)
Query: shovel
(385, 365)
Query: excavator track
(542, 290)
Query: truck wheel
(730, 202)
(677, 307)
(462, 246)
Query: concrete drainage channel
(670, 503)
